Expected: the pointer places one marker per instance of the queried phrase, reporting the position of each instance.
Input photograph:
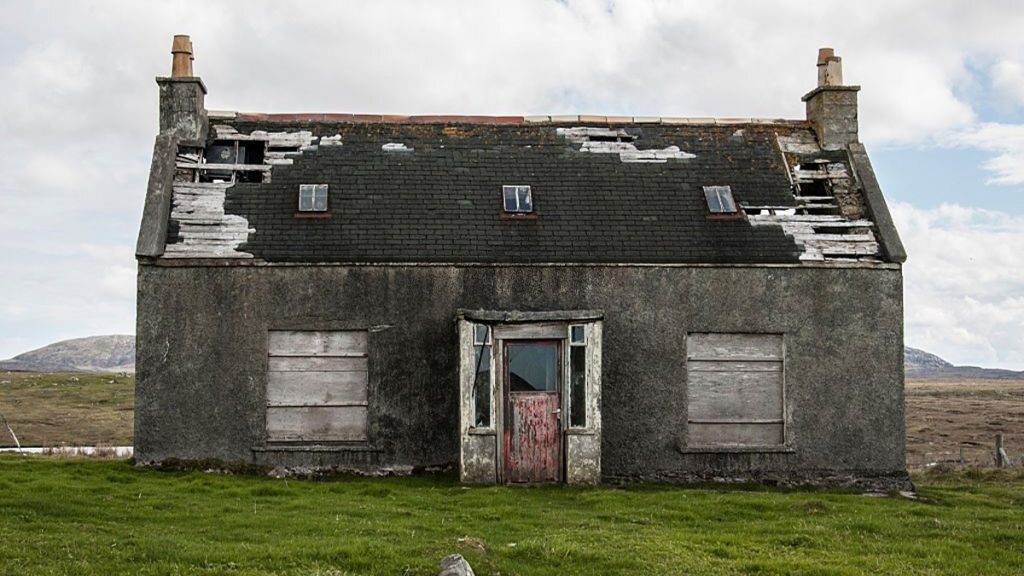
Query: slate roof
(441, 201)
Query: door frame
(481, 450)
(506, 400)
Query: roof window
(517, 199)
(720, 200)
(312, 197)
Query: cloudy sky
(942, 114)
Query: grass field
(51, 409)
(92, 516)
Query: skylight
(312, 197)
(719, 199)
(517, 199)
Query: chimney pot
(830, 68)
(824, 54)
(181, 62)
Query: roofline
(207, 262)
(482, 119)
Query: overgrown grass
(78, 516)
(53, 409)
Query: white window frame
(723, 194)
(314, 191)
(516, 189)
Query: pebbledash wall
(202, 345)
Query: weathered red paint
(533, 438)
(532, 431)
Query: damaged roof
(407, 189)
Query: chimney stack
(832, 107)
(183, 97)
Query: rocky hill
(93, 354)
(921, 364)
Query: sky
(941, 114)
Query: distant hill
(921, 364)
(93, 354)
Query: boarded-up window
(316, 386)
(735, 390)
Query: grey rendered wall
(202, 358)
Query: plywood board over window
(316, 386)
(735, 390)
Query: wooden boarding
(317, 364)
(317, 424)
(731, 396)
(743, 347)
(735, 394)
(735, 434)
(310, 343)
(316, 388)
(530, 331)
(725, 366)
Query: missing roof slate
(395, 147)
(618, 141)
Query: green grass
(84, 516)
(53, 409)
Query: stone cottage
(573, 299)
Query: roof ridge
(486, 119)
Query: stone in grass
(455, 565)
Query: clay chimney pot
(181, 62)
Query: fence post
(1001, 458)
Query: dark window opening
(719, 199)
(577, 376)
(610, 138)
(517, 199)
(482, 382)
(533, 367)
(482, 387)
(233, 153)
(815, 188)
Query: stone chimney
(832, 107)
(182, 97)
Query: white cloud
(1008, 78)
(964, 283)
(1005, 141)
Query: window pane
(578, 386)
(482, 387)
(525, 199)
(714, 204)
(480, 332)
(533, 367)
(726, 197)
(320, 203)
(578, 335)
(509, 193)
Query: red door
(532, 431)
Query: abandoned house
(573, 299)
